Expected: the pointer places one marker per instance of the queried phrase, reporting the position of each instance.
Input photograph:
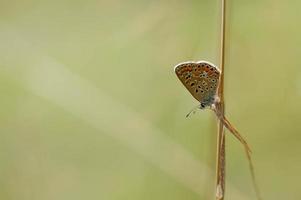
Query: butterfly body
(201, 80)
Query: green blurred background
(91, 107)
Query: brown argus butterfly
(201, 79)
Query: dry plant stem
(222, 121)
(216, 108)
(220, 157)
(257, 191)
(233, 130)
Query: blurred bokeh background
(91, 107)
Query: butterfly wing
(200, 78)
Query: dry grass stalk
(220, 157)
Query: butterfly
(201, 79)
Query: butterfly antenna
(193, 110)
(248, 151)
